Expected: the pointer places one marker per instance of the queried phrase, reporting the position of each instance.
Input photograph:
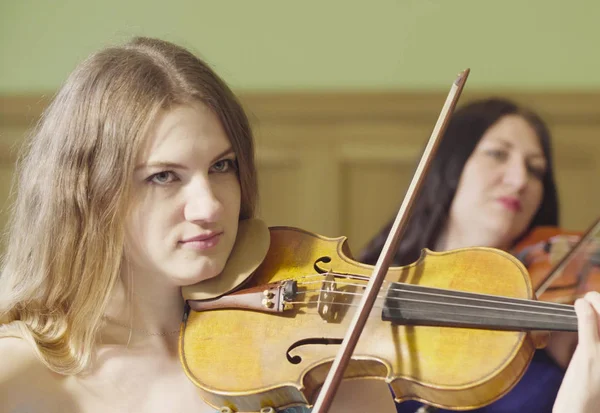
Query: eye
(537, 171)
(498, 154)
(162, 178)
(224, 165)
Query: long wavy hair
(465, 129)
(65, 237)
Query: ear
(250, 249)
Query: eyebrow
(174, 165)
(510, 145)
(223, 154)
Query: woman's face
(501, 186)
(186, 198)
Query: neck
(145, 308)
(452, 238)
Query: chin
(190, 276)
(495, 236)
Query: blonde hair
(65, 244)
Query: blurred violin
(563, 265)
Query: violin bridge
(326, 301)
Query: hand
(580, 389)
(560, 347)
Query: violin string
(466, 295)
(452, 295)
(509, 301)
(526, 312)
(319, 279)
(433, 313)
(476, 296)
(489, 299)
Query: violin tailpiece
(272, 298)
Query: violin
(563, 264)
(293, 314)
(446, 329)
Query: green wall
(319, 44)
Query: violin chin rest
(250, 249)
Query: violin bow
(336, 372)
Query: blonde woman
(131, 186)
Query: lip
(510, 203)
(202, 237)
(202, 241)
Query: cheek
(472, 185)
(534, 199)
(145, 227)
(134, 243)
(136, 236)
(481, 177)
(230, 195)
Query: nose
(516, 174)
(202, 204)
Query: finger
(586, 323)
(594, 298)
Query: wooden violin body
(293, 312)
(544, 248)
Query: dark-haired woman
(491, 182)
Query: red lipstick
(510, 203)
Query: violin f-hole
(321, 270)
(307, 342)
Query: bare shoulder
(16, 358)
(24, 379)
